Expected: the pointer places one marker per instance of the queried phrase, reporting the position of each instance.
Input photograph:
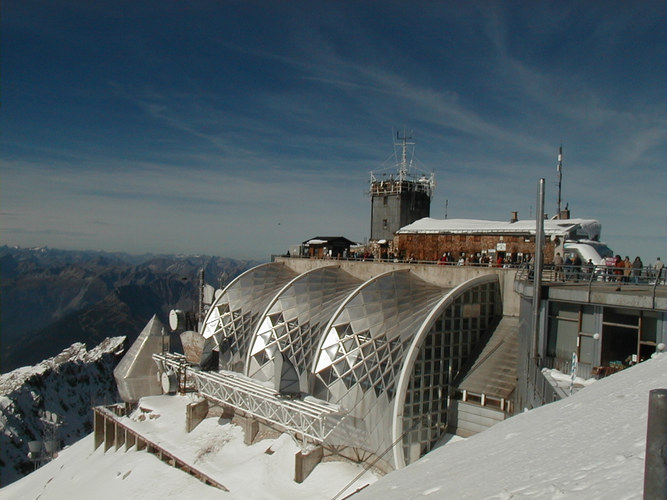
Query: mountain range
(50, 299)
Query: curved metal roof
(234, 315)
(383, 350)
(362, 356)
(294, 321)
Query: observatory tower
(402, 197)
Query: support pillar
(250, 430)
(305, 463)
(195, 412)
(98, 429)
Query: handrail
(646, 275)
(397, 260)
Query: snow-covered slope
(590, 445)
(66, 385)
(215, 446)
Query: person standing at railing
(637, 265)
(627, 265)
(567, 267)
(589, 269)
(576, 267)
(619, 266)
(658, 266)
(558, 266)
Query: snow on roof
(321, 240)
(589, 228)
(216, 447)
(586, 446)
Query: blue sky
(240, 128)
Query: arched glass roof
(386, 351)
(361, 357)
(294, 321)
(234, 315)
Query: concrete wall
(304, 463)
(398, 209)
(472, 419)
(195, 412)
(445, 276)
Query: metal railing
(402, 260)
(597, 274)
(309, 417)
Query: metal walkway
(309, 417)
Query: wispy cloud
(258, 129)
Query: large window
(448, 345)
(611, 338)
(628, 336)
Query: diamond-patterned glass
(297, 318)
(233, 317)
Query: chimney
(515, 217)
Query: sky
(240, 128)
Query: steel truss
(309, 417)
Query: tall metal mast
(403, 165)
(559, 169)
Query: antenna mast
(559, 169)
(403, 165)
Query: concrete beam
(130, 440)
(109, 434)
(120, 437)
(98, 429)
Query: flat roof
(588, 228)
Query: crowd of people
(611, 269)
(565, 268)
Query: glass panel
(621, 316)
(565, 310)
(587, 350)
(566, 341)
(618, 345)
(588, 323)
(649, 326)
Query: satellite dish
(176, 319)
(169, 382)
